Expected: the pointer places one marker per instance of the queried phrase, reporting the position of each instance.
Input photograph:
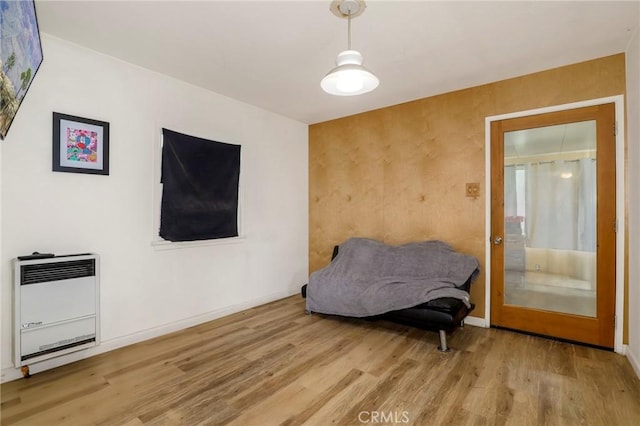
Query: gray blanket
(369, 278)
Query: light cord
(349, 29)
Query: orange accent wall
(398, 174)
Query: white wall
(633, 143)
(146, 291)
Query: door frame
(618, 100)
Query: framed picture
(80, 145)
(20, 56)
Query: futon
(423, 284)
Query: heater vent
(45, 272)
(55, 306)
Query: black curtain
(199, 188)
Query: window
(200, 180)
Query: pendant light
(349, 77)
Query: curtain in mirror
(553, 203)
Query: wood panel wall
(398, 174)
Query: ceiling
(273, 54)
(578, 138)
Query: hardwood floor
(276, 365)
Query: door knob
(497, 241)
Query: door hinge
(615, 322)
(615, 128)
(615, 226)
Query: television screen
(20, 56)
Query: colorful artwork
(82, 145)
(20, 56)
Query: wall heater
(56, 307)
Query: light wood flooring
(276, 365)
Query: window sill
(168, 245)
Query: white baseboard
(475, 321)
(11, 373)
(635, 362)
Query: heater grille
(45, 272)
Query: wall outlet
(473, 189)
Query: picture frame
(80, 145)
(20, 57)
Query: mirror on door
(550, 218)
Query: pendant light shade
(349, 77)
